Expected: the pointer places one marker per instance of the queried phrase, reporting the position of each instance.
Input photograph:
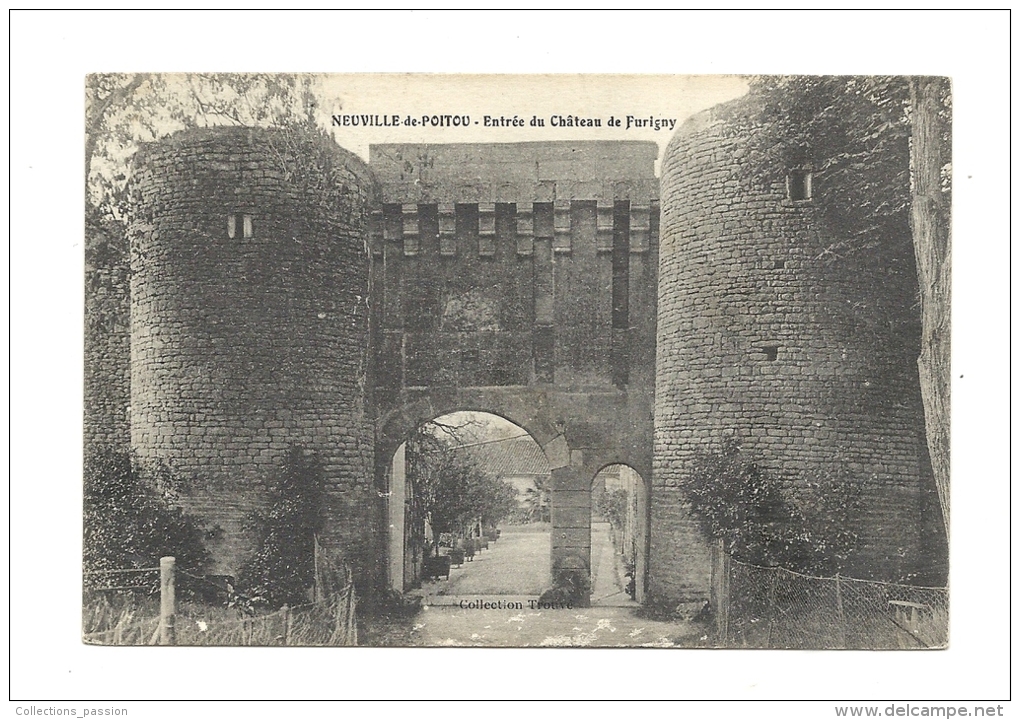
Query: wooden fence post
(167, 601)
(727, 574)
(720, 589)
(839, 613)
(352, 621)
(286, 624)
(317, 594)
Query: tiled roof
(506, 458)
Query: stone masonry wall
(251, 335)
(107, 337)
(519, 279)
(762, 334)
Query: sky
(646, 97)
(482, 426)
(496, 107)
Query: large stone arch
(577, 442)
(396, 425)
(394, 430)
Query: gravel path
(516, 564)
(607, 583)
(588, 627)
(492, 602)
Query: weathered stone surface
(514, 304)
(516, 172)
(107, 358)
(763, 335)
(523, 280)
(249, 325)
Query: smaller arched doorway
(619, 536)
(432, 522)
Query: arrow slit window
(798, 184)
(238, 223)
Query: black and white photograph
(667, 366)
(509, 355)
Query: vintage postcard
(506, 360)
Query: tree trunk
(930, 152)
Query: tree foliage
(452, 491)
(805, 525)
(132, 517)
(282, 567)
(124, 110)
(538, 500)
(853, 133)
(611, 504)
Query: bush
(611, 505)
(804, 524)
(569, 588)
(132, 517)
(282, 568)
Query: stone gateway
(283, 292)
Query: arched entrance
(619, 536)
(579, 433)
(468, 510)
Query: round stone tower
(249, 324)
(772, 331)
(107, 336)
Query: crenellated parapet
(559, 238)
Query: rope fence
(131, 620)
(100, 580)
(772, 607)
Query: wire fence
(771, 607)
(122, 579)
(128, 612)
